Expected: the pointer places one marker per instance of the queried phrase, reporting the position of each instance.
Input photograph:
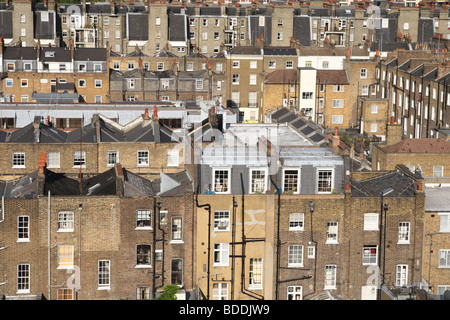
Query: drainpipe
(48, 250)
(207, 206)
(163, 242)
(3, 208)
(278, 240)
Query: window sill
(176, 242)
(19, 167)
(64, 268)
(329, 288)
(54, 167)
(143, 266)
(295, 265)
(22, 291)
(403, 242)
(331, 242)
(254, 287)
(64, 230)
(104, 288)
(23, 240)
(143, 228)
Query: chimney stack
(42, 160)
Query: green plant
(169, 292)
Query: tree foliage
(169, 292)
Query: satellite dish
(73, 9)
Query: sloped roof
(280, 51)
(22, 53)
(282, 76)
(23, 187)
(332, 76)
(302, 125)
(91, 54)
(423, 145)
(245, 50)
(402, 185)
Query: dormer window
(49, 54)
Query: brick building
(425, 156)
(94, 148)
(436, 240)
(112, 236)
(334, 108)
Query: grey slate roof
(61, 54)
(19, 53)
(91, 54)
(403, 186)
(6, 24)
(279, 51)
(138, 27)
(107, 183)
(45, 29)
(256, 31)
(29, 134)
(177, 27)
(23, 187)
(302, 30)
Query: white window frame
(444, 258)
(256, 274)
(228, 181)
(141, 157)
(438, 171)
(220, 291)
(114, 154)
(176, 230)
(142, 222)
(221, 253)
(222, 220)
(23, 278)
(332, 232)
(297, 191)
(367, 257)
(321, 169)
(66, 221)
(295, 293)
(98, 83)
(311, 252)
(23, 229)
(104, 275)
(19, 160)
(363, 73)
(296, 221)
(295, 256)
(404, 232)
(79, 156)
(330, 277)
(444, 223)
(65, 257)
(252, 188)
(371, 221)
(54, 159)
(401, 275)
